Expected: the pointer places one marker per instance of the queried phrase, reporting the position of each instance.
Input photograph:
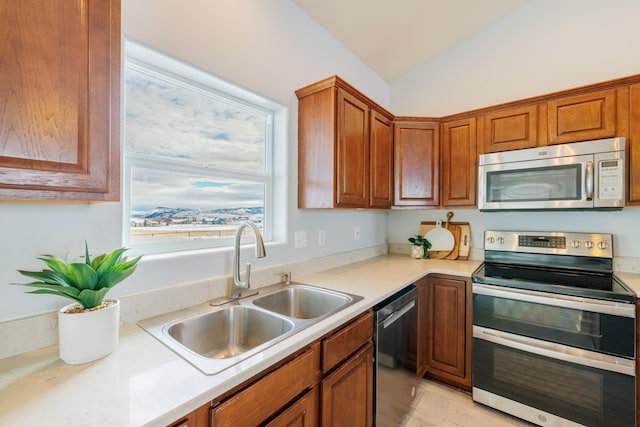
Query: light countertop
(145, 383)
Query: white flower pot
(87, 336)
(416, 251)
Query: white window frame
(177, 72)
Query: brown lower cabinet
(347, 393)
(444, 329)
(330, 383)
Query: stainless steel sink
(303, 302)
(215, 338)
(229, 332)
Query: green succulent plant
(86, 283)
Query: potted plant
(88, 329)
(420, 248)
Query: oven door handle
(557, 300)
(556, 351)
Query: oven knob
(490, 239)
(500, 240)
(588, 244)
(603, 245)
(575, 244)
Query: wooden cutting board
(463, 242)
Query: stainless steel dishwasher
(395, 365)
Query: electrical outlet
(300, 239)
(321, 237)
(356, 232)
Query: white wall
(269, 47)
(542, 47)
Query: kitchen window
(198, 156)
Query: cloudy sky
(180, 123)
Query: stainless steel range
(553, 330)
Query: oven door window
(534, 184)
(549, 183)
(583, 394)
(599, 332)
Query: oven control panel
(545, 242)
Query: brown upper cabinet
(416, 162)
(346, 140)
(60, 100)
(381, 155)
(344, 148)
(583, 117)
(512, 129)
(459, 165)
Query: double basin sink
(216, 338)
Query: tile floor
(438, 405)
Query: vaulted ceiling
(395, 36)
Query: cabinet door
(304, 412)
(510, 129)
(423, 332)
(60, 100)
(352, 152)
(582, 117)
(459, 163)
(448, 327)
(381, 164)
(347, 394)
(416, 163)
(633, 145)
(316, 149)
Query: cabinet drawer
(346, 341)
(304, 412)
(260, 400)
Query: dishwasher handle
(398, 314)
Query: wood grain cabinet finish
(197, 418)
(60, 100)
(459, 163)
(347, 393)
(423, 333)
(256, 403)
(416, 162)
(352, 151)
(345, 341)
(583, 117)
(381, 161)
(512, 129)
(448, 330)
(633, 145)
(303, 413)
(344, 148)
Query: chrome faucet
(239, 285)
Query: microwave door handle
(588, 180)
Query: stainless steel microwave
(580, 175)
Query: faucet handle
(286, 278)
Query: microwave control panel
(610, 179)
